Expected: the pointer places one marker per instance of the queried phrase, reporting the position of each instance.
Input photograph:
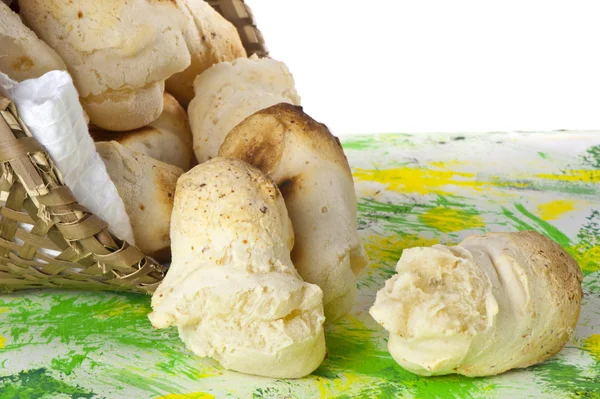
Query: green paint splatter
(542, 155)
(39, 384)
(69, 363)
(152, 385)
(352, 350)
(568, 380)
(587, 250)
(113, 322)
(399, 140)
(273, 393)
(592, 157)
(547, 228)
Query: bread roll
(22, 54)
(118, 52)
(493, 303)
(210, 39)
(229, 92)
(147, 187)
(309, 165)
(232, 290)
(167, 139)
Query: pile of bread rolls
(121, 56)
(262, 232)
(264, 235)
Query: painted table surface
(413, 190)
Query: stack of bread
(273, 234)
(263, 231)
(121, 55)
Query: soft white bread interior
(167, 139)
(147, 187)
(490, 304)
(22, 54)
(210, 39)
(309, 165)
(229, 92)
(232, 289)
(119, 53)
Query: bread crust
(167, 139)
(22, 54)
(147, 187)
(118, 53)
(310, 167)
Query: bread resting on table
(147, 187)
(309, 165)
(167, 139)
(490, 304)
(22, 54)
(232, 289)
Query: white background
(419, 66)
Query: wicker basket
(48, 240)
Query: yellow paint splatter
(592, 345)
(389, 248)
(195, 395)
(206, 375)
(576, 175)
(2, 341)
(418, 180)
(431, 181)
(332, 388)
(448, 220)
(446, 164)
(588, 257)
(555, 209)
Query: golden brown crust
(552, 264)
(311, 169)
(260, 138)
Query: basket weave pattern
(240, 15)
(47, 239)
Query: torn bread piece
(494, 302)
(232, 290)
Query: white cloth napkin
(50, 107)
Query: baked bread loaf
(22, 54)
(309, 165)
(167, 139)
(490, 304)
(210, 39)
(119, 53)
(229, 92)
(232, 290)
(147, 187)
